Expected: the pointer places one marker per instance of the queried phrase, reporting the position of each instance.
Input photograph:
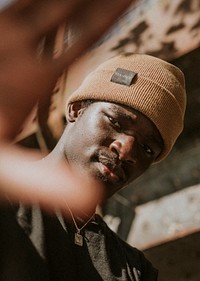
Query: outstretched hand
(28, 73)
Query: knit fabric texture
(157, 91)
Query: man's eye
(147, 149)
(114, 122)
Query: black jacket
(35, 246)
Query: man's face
(111, 143)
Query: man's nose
(125, 147)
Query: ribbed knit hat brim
(158, 91)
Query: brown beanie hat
(150, 85)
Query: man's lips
(109, 173)
(111, 168)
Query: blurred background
(160, 212)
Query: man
(125, 116)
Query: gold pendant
(78, 239)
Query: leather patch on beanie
(123, 76)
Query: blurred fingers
(92, 23)
(41, 17)
(53, 186)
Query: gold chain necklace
(78, 237)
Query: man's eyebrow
(156, 139)
(124, 115)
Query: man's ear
(74, 110)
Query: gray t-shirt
(36, 246)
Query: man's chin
(109, 187)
